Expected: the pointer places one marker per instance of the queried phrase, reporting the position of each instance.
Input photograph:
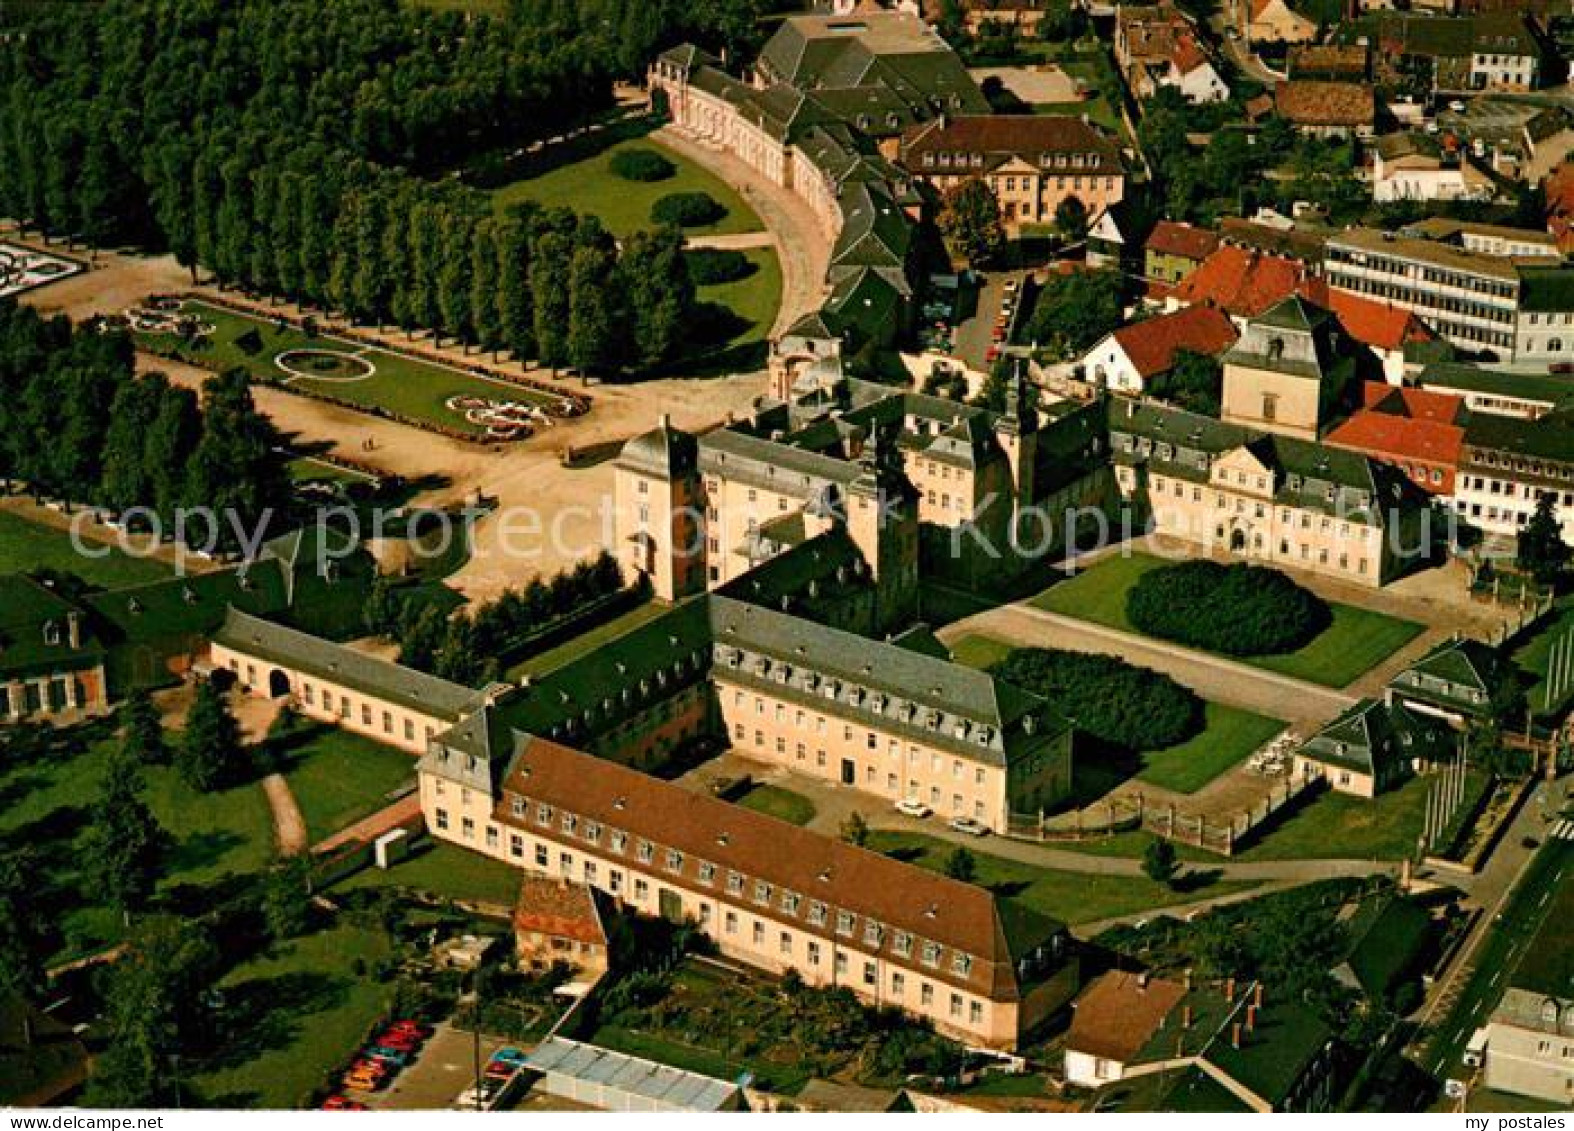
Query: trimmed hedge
(1236, 609)
(709, 266)
(1111, 700)
(687, 209)
(641, 165)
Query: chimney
(1188, 979)
(1229, 988)
(1186, 1017)
(1257, 996)
(1251, 1018)
(666, 421)
(74, 628)
(1142, 981)
(1235, 1035)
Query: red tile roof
(1372, 323)
(1241, 282)
(1119, 1014)
(1184, 240)
(1188, 54)
(1309, 103)
(1151, 345)
(1405, 426)
(558, 909)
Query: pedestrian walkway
(386, 819)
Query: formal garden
(354, 374)
(1348, 643)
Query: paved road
(1514, 890)
(1213, 677)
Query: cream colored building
(769, 894)
(1287, 373)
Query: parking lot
(445, 1067)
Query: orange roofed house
(1241, 282)
(1127, 359)
(1381, 327)
(1174, 250)
(556, 921)
(1420, 433)
(1033, 163)
(1327, 109)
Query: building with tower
(1288, 373)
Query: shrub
(1107, 698)
(687, 209)
(1237, 609)
(641, 165)
(710, 266)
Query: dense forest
(155, 448)
(308, 149)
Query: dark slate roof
(1551, 437)
(1460, 675)
(668, 452)
(333, 662)
(1372, 738)
(1545, 388)
(1549, 288)
(1386, 936)
(34, 633)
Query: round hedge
(1237, 609)
(1111, 700)
(687, 209)
(642, 165)
(709, 266)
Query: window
(467, 827)
(931, 954)
(734, 883)
(844, 922)
(542, 859)
(516, 845)
(442, 819)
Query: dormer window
(817, 914)
(734, 883)
(931, 954)
(762, 892)
(844, 922)
(902, 944)
(543, 814)
(646, 852)
(619, 842)
(674, 860)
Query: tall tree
(1542, 552)
(594, 316)
(655, 279)
(211, 754)
(22, 928)
(237, 469)
(970, 219)
(142, 735)
(549, 288)
(124, 845)
(127, 477)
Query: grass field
(403, 385)
(308, 1002)
(338, 778)
(780, 803)
(45, 804)
(753, 300)
(1230, 735)
(1533, 656)
(589, 185)
(446, 870)
(569, 650)
(26, 546)
(1071, 897)
(1357, 639)
(1339, 826)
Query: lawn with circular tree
(688, 210)
(1113, 701)
(644, 165)
(1235, 609)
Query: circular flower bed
(325, 365)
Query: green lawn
(45, 805)
(26, 546)
(753, 299)
(1230, 735)
(978, 651)
(569, 650)
(1071, 897)
(589, 185)
(305, 469)
(400, 384)
(307, 1004)
(1339, 826)
(339, 777)
(1355, 641)
(1533, 656)
(783, 804)
(446, 870)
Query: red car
(499, 1069)
(342, 1103)
(406, 1025)
(402, 1039)
(992, 353)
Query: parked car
(393, 1057)
(967, 825)
(511, 1055)
(912, 807)
(338, 1102)
(480, 1094)
(365, 1076)
(499, 1069)
(402, 1039)
(407, 1024)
